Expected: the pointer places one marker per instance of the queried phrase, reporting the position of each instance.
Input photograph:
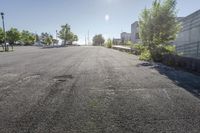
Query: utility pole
(88, 37)
(85, 41)
(2, 15)
(56, 34)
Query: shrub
(169, 49)
(128, 43)
(169, 60)
(145, 55)
(158, 52)
(139, 48)
(155, 54)
(109, 43)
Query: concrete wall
(188, 40)
(187, 63)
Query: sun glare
(107, 17)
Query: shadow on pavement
(188, 81)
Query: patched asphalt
(94, 90)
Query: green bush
(128, 43)
(145, 55)
(158, 52)
(109, 43)
(139, 48)
(155, 54)
(169, 49)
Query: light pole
(2, 15)
(88, 37)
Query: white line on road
(166, 93)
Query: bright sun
(107, 17)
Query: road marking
(166, 93)
(28, 78)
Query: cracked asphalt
(94, 90)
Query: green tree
(13, 35)
(49, 40)
(98, 40)
(55, 41)
(109, 43)
(66, 35)
(144, 27)
(46, 38)
(27, 38)
(75, 38)
(128, 43)
(159, 26)
(70, 38)
(2, 37)
(43, 36)
(37, 38)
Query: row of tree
(98, 40)
(15, 37)
(65, 34)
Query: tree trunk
(2, 46)
(12, 45)
(65, 41)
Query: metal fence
(189, 49)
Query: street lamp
(2, 15)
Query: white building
(125, 36)
(135, 32)
(116, 41)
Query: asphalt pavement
(94, 90)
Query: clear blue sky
(108, 17)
